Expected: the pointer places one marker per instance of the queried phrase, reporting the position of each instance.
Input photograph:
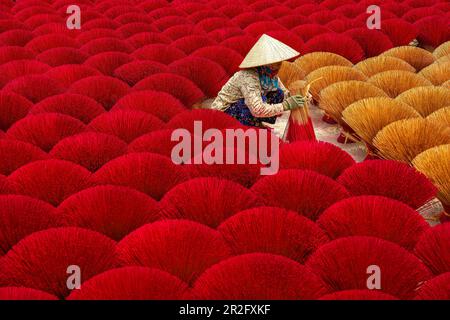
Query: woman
(255, 95)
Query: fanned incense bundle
(328, 75)
(395, 82)
(240, 44)
(437, 288)
(113, 211)
(205, 73)
(180, 87)
(16, 154)
(45, 130)
(374, 216)
(143, 172)
(91, 150)
(22, 216)
(5, 185)
(343, 263)
(417, 57)
(442, 50)
(291, 21)
(190, 43)
(131, 283)
(133, 72)
(207, 201)
(136, 39)
(244, 19)
(289, 73)
(373, 42)
(35, 87)
(446, 84)
(105, 90)
(14, 53)
(403, 140)
(435, 164)
(96, 33)
(437, 73)
(300, 124)
(157, 103)
(273, 230)
(372, 66)
(159, 52)
(315, 60)
(338, 96)
(127, 125)
(16, 37)
(13, 107)
(105, 44)
(443, 59)
(41, 259)
(310, 192)
(225, 33)
(107, 62)
(181, 247)
(19, 68)
(77, 106)
(368, 116)
(258, 276)
(68, 74)
(440, 117)
(49, 180)
(433, 248)
(315, 156)
(399, 31)
(391, 179)
(426, 100)
(433, 28)
(308, 30)
(226, 57)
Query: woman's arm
(254, 101)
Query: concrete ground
(329, 133)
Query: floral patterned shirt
(245, 84)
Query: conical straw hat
(267, 51)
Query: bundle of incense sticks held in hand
(300, 124)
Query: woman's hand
(294, 102)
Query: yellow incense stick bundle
(338, 96)
(437, 73)
(441, 117)
(316, 60)
(417, 57)
(446, 84)
(426, 100)
(323, 77)
(368, 116)
(395, 82)
(442, 50)
(435, 164)
(289, 73)
(372, 66)
(403, 140)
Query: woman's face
(275, 67)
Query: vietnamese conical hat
(268, 50)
